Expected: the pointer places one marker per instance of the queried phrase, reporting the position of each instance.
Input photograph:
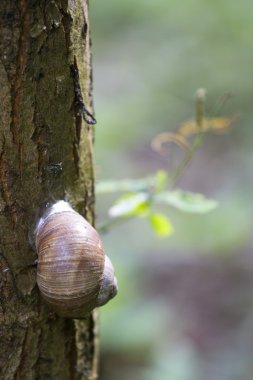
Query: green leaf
(161, 224)
(158, 180)
(136, 204)
(161, 179)
(129, 185)
(186, 201)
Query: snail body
(74, 275)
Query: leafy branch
(141, 196)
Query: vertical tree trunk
(45, 154)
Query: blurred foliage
(184, 308)
(153, 189)
(141, 204)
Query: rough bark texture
(45, 154)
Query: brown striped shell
(73, 274)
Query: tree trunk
(45, 155)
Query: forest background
(185, 306)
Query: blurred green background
(185, 305)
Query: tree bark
(45, 155)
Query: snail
(73, 274)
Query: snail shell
(74, 275)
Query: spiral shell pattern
(70, 262)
